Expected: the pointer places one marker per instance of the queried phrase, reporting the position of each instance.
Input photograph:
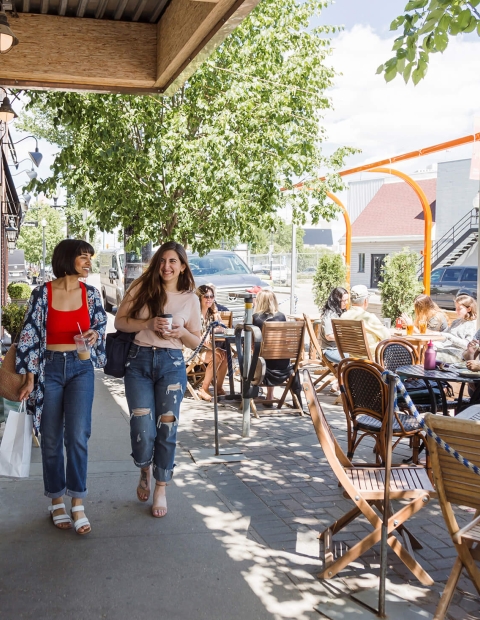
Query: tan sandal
(204, 395)
(143, 491)
(159, 507)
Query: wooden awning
(116, 46)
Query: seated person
(220, 308)
(334, 307)
(375, 329)
(209, 314)
(460, 332)
(277, 371)
(426, 311)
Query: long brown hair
(425, 308)
(150, 290)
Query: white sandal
(57, 519)
(80, 522)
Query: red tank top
(62, 324)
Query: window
(452, 274)
(470, 274)
(436, 275)
(361, 263)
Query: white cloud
(387, 119)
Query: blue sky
(378, 14)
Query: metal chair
(457, 485)
(365, 402)
(364, 485)
(351, 339)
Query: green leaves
(427, 27)
(400, 284)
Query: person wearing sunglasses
(209, 312)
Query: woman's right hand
(472, 348)
(27, 388)
(406, 320)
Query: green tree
(428, 26)
(331, 272)
(400, 283)
(206, 164)
(31, 237)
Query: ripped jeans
(155, 382)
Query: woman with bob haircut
(460, 332)
(209, 314)
(58, 383)
(155, 376)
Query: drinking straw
(81, 334)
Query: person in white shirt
(375, 329)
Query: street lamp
(7, 38)
(44, 250)
(7, 113)
(32, 174)
(11, 233)
(35, 156)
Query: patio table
(419, 341)
(452, 374)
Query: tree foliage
(400, 283)
(331, 272)
(427, 26)
(206, 164)
(31, 237)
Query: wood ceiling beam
(200, 27)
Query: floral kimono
(33, 343)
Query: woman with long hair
(155, 377)
(59, 381)
(334, 307)
(460, 332)
(209, 312)
(427, 312)
(277, 371)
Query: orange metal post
(348, 234)
(427, 216)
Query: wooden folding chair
(364, 485)
(351, 339)
(283, 340)
(195, 374)
(226, 317)
(365, 403)
(327, 370)
(457, 485)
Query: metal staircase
(455, 242)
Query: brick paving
(287, 490)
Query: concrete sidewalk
(239, 541)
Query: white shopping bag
(16, 446)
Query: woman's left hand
(177, 331)
(90, 336)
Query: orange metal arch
(348, 234)
(427, 216)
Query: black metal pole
(386, 498)
(215, 401)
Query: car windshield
(223, 265)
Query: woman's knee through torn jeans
(155, 382)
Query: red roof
(395, 210)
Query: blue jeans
(332, 355)
(66, 418)
(155, 382)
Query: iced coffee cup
(83, 348)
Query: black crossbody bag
(117, 347)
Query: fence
(277, 267)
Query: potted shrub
(19, 292)
(331, 272)
(400, 284)
(12, 318)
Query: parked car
(17, 269)
(228, 273)
(276, 272)
(448, 282)
(112, 277)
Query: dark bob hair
(64, 255)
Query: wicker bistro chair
(351, 339)
(395, 352)
(457, 485)
(364, 486)
(365, 403)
